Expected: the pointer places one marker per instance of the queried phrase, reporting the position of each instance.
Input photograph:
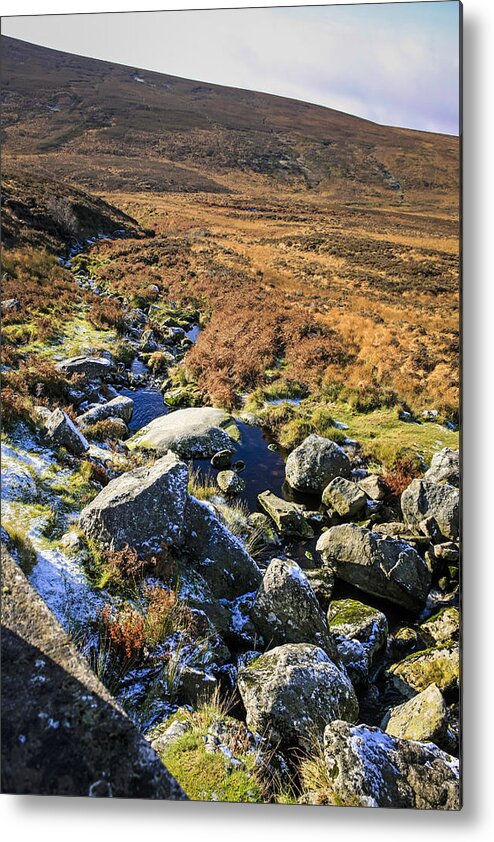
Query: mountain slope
(114, 127)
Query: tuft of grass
(202, 486)
(22, 546)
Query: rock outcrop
(423, 500)
(195, 432)
(439, 665)
(62, 732)
(219, 556)
(91, 368)
(423, 718)
(292, 692)
(445, 467)
(286, 516)
(143, 508)
(344, 497)
(121, 407)
(384, 567)
(60, 431)
(286, 610)
(370, 769)
(314, 463)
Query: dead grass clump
(107, 313)
(125, 630)
(405, 469)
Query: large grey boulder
(370, 769)
(439, 665)
(286, 610)
(423, 500)
(314, 463)
(374, 487)
(423, 718)
(344, 497)
(60, 431)
(287, 517)
(62, 731)
(121, 407)
(357, 621)
(91, 368)
(220, 557)
(293, 691)
(195, 432)
(143, 508)
(445, 467)
(383, 567)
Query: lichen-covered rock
(370, 769)
(373, 486)
(194, 686)
(230, 482)
(423, 500)
(322, 583)
(445, 467)
(293, 691)
(287, 516)
(314, 463)
(286, 610)
(357, 621)
(442, 627)
(423, 718)
(384, 567)
(91, 368)
(439, 665)
(344, 497)
(60, 431)
(220, 557)
(120, 407)
(193, 433)
(143, 508)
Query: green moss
(208, 777)
(349, 611)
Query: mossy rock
(439, 665)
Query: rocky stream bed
(208, 565)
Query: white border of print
(74, 819)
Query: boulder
(355, 658)
(143, 508)
(445, 467)
(314, 463)
(344, 497)
(370, 769)
(439, 665)
(230, 482)
(286, 610)
(287, 517)
(222, 459)
(356, 621)
(293, 691)
(423, 500)
(91, 368)
(220, 557)
(17, 482)
(373, 486)
(120, 407)
(423, 718)
(60, 431)
(442, 627)
(322, 583)
(384, 567)
(196, 432)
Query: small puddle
(193, 333)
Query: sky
(393, 63)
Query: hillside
(110, 127)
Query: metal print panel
(230, 403)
